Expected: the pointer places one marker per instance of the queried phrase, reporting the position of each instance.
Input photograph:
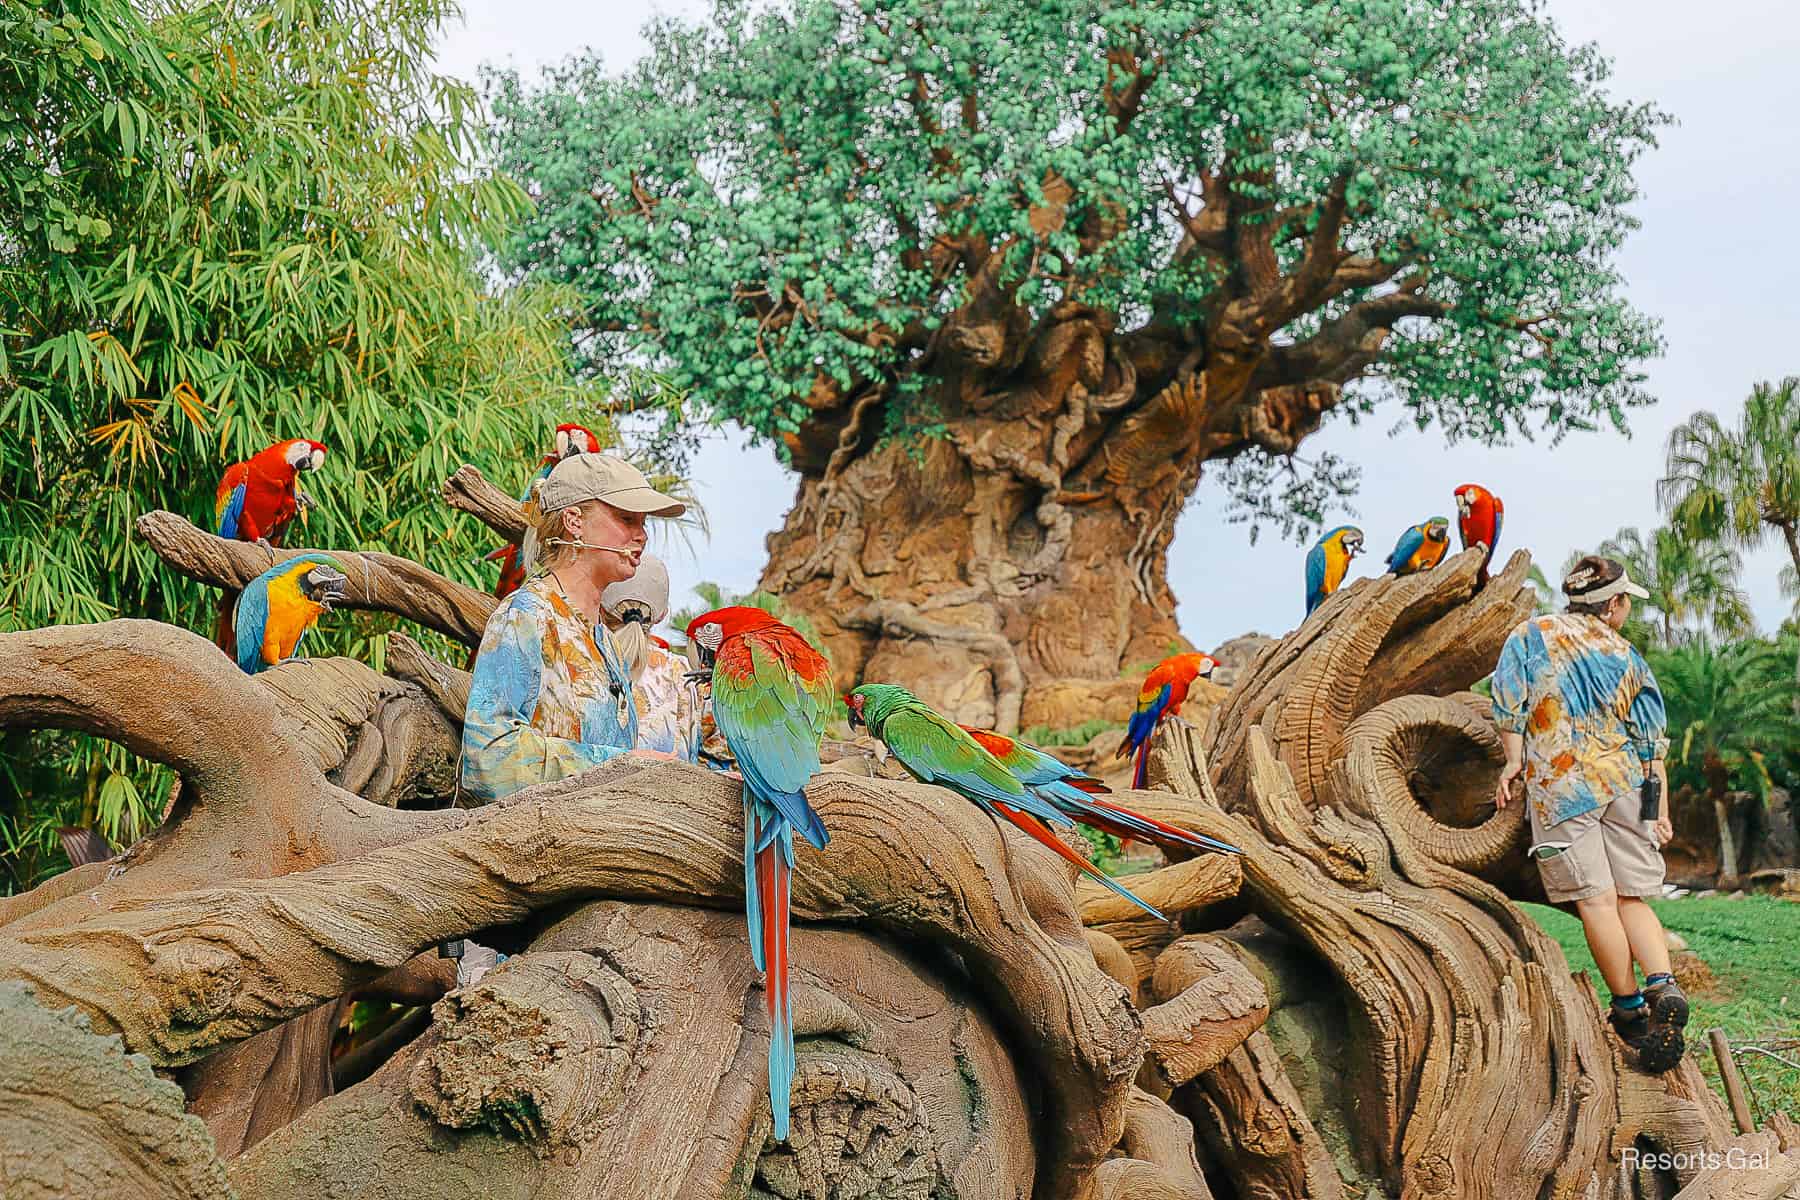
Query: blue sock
(1659, 977)
(1627, 1003)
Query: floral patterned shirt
(550, 696)
(668, 706)
(1588, 707)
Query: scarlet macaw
(1479, 515)
(1164, 692)
(570, 439)
(771, 692)
(1078, 794)
(1421, 547)
(1328, 561)
(280, 605)
(934, 750)
(257, 498)
(255, 501)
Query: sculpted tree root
(962, 1033)
(1357, 776)
(952, 976)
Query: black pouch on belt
(1650, 798)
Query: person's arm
(502, 752)
(1511, 695)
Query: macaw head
(1437, 529)
(1204, 664)
(304, 455)
(708, 631)
(1465, 499)
(871, 704)
(1349, 539)
(575, 439)
(324, 583)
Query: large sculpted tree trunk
(1011, 568)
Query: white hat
(649, 587)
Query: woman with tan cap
(668, 706)
(551, 693)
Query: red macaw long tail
(1040, 832)
(768, 873)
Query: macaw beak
(706, 657)
(327, 586)
(856, 715)
(562, 443)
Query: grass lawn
(1752, 946)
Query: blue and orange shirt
(1587, 704)
(550, 696)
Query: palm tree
(1728, 707)
(1741, 484)
(1692, 584)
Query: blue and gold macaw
(1328, 562)
(1421, 547)
(280, 605)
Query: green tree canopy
(794, 205)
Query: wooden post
(1734, 1083)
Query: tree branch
(468, 490)
(379, 582)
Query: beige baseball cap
(649, 586)
(608, 478)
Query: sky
(1715, 261)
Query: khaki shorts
(1608, 847)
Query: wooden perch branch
(380, 582)
(468, 490)
(228, 961)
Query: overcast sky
(1716, 261)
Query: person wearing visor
(668, 702)
(551, 693)
(1583, 724)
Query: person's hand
(1503, 789)
(1663, 830)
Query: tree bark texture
(971, 1023)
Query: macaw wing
(1037, 766)
(1149, 711)
(1499, 519)
(1315, 571)
(936, 751)
(1405, 548)
(251, 619)
(228, 510)
(770, 719)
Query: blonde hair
(541, 548)
(631, 635)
